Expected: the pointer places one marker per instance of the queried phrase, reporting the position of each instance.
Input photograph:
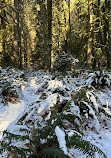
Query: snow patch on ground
(10, 113)
(61, 139)
(102, 140)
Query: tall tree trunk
(106, 32)
(49, 16)
(44, 36)
(90, 38)
(69, 26)
(25, 48)
(17, 35)
(107, 6)
(3, 34)
(109, 31)
(16, 32)
(98, 37)
(20, 54)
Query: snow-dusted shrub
(42, 138)
(64, 62)
(98, 79)
(54, 140)
(10, 86)
(91, 104)
(9, 91)
(55, 123)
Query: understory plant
(71, 112)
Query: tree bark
(90, 38)
(17, 35)
(44, 36)
(106, 32)
(69, 26)
(3, 35)
(107, 18)
(49, 16)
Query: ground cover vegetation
(34, 33)
(55, 78)
(56, 121)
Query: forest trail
(9, 113)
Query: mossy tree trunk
(98, 36)
(90, 34)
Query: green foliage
(11, 147)
(3, 7)
(80, 95)
(53, 151)
(10, 83)
(63, 62)
(100, 80)
(105, 112)
(85, 147)
(47, 133)
(10, 92)
(39, 139)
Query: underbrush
(66, 105)
(10, 83)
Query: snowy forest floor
(86, 96)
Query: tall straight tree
(44, 34)
(49, 16)
(98, 35)
(17, 35)
(107, 32)
(69, 25)
(90, 35)
(24, 36)
(3, 24)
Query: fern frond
(84, 146)
(53, 151)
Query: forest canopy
(34, 33)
